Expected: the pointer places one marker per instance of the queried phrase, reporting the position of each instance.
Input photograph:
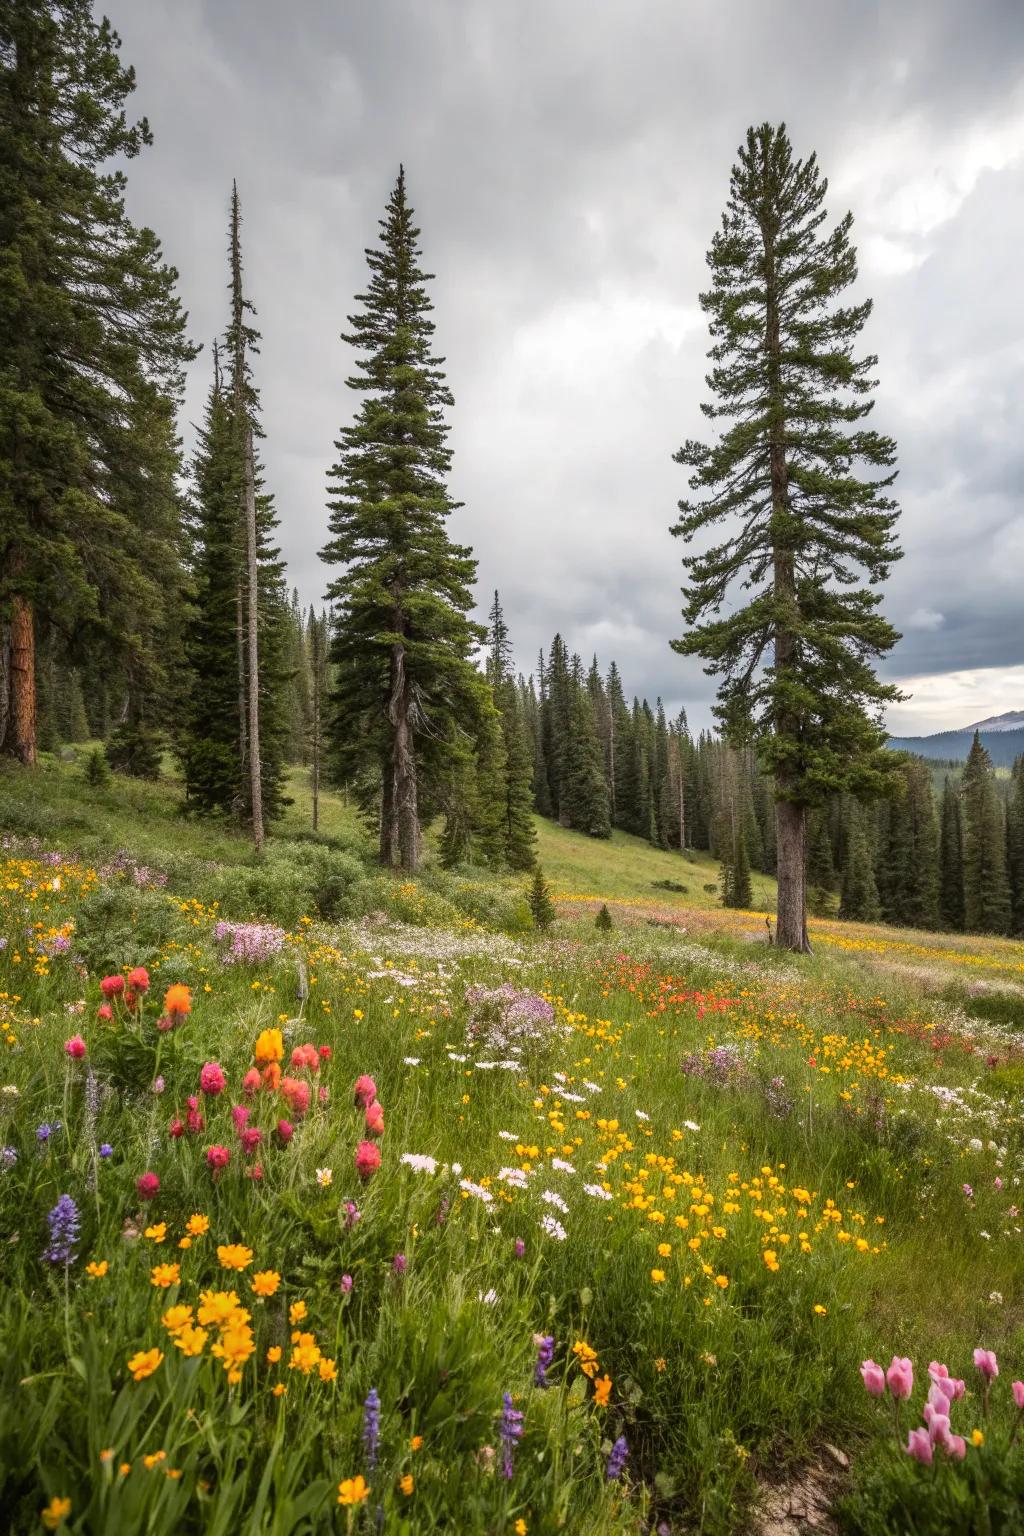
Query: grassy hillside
(604, 1256)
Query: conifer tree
(539, 900)
(92, 351)
(858, 899)
(513, 791)
(238, 644)
(951, 860)
(1015, 846)
(583, 803)
(406, 690)
(986, 887)
(794, 659)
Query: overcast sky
(568, 161)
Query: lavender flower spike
(545, 1354)
(617, 1459)
(371, 1426)
(64, 1223)
(511, 1431)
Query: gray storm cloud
(568, 161)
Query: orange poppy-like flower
(269, 1046)
(178, 1000)
(602, 1391)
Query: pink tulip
(920, 1446)
(1018, 1394)
(940, 1393)
(900, 1377)
(985, 1361)
(938, 1427)
(75, 1047)
(874, 1378)
(365, 1091)
(955, 1445)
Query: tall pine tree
(92, 352)
(795, 658)
(406, 692)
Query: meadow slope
(369, 1208)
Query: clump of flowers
(249, 943)
(943, 1391)
(720, 1066)
(507, 1019)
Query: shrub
(119, 925)
(603, 920)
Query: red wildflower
(367, 1159)
(148, 1186)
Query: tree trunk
(19, 739)
(404, 810)
(243, 737)
(255, 767)
(682, 802)
(791, 912)
(790, 817)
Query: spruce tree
(951, 860)
(795, 658)
(406, 690)
(539, 900)
(1015, 846)
(986, 887)
(92, 352)
(858, 899)
(514, 788)
(583, 803)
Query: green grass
(823, 1104)
(628, 869)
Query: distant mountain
(1001, 735)
(1013, 720)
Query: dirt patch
(802, 1504)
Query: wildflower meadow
(407, 1219)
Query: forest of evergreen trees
(143, 599)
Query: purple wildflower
(346, 1284)
(399, 1263)
(352, 1215)
(511, 1431)
(371, 1426)
(64, 1223)
(545, 1354)
(106, 1150)
(617, 1459)
(8, 1157)
(519, 1248)
(44, 1132)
